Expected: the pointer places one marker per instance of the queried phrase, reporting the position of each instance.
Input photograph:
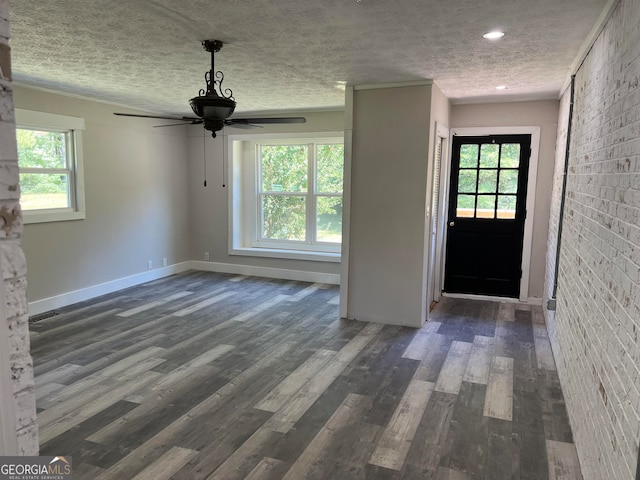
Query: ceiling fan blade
(193, 122)
(243, 125)
(181, 119)
(266, 121)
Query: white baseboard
(285, 274)
(69, 298)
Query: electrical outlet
(164, 262)
(149, 264)
(206, 256)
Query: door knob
(451, 224)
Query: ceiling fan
(214, 107)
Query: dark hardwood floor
(214, 376)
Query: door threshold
(490, 298)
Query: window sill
(288, 254)
(41, 217)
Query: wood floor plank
(112, 370)
(449, 474)
(294, 382)
(153, 447)
(284, 419)
(177, 374)
(153, 304)
(342, 419)
(506, 312)
(110, 396)
(335, 300)
(397, 437)
(167, 465)
(563, 461)
(302, 294)
(203, 304)
(268, 469)
(454, 367)
(499, 400)
(479, 362)
(544, 355)
(247, 315)
(54, 375)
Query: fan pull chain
(204, 157)
(224, 159)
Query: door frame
(530, 204)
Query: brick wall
(595, 331)
(12, 258)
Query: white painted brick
(14, 266)
(595, 330)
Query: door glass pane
(466, 206)
(284, 168)
(488, 181)
(489, 156)
(329, 168)
(468, 156)
(329, 219)
(283, 217)
(467, 181)
(507, 206)
(510, 156)
(44, 191)
(508, 181)
(486, 206)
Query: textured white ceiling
(288, 55)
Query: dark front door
(487, 202)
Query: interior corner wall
(596, 331)
(541, 113)
(136, 198)
(209, 211)
(388, 199)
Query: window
(50, 161)
(488, 181)
(291, 197)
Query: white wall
(209, 205)
(136, 196)
(595, 333)
(543, 114)
(388, 200)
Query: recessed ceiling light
(493, 35)
(501, 87)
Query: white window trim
(64, 123)
(243, 238)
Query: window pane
(508, 181)
(329, 219)
(468, 156)
(44, 191)
(507, 206)
(329, 168)
(488, 181)
(510, 157)
(486, 206)
(284, 168)
(38, 149)
(489, 156)
(466, 206)
(283, 217)
(467, 181)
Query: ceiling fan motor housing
(213, 109)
